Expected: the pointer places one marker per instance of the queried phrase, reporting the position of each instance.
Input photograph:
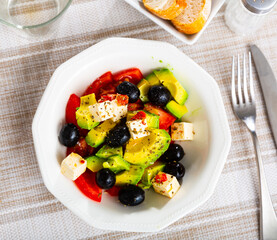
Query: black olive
(174, 153)
(129, 89)
(176, 169)
(69, 135)
(159, 95)
(105, 178)
(131, 195)
(123, 121)
(118, 136)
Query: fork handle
(268, 220)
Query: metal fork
(245, 109)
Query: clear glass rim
(41, 24)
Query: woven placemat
(29, 211)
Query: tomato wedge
(70, 112)
(166, 119)
(81, 148)
(113, 191)
(120, 98)
(107, 97)
(108, 89)
(107, 83)
(87, 185)
(134, 76)
(139, 116)
(138, 105)
(102, 86)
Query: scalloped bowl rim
(45, 103)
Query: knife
(269, 87)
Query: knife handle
(268, 220)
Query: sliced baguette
(194, 17)
(166, 9)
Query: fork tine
(239, 83)
(252, 93)
(245, 89)
(234, 96)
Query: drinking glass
(33, 18)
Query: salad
(120, 136)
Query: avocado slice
(116, 164)
(145, 84)
(143, 87)
(145, 151)
(88, 100)
(107, 151)
(143, 186)
(131, 176)
(151, 171)
(152, 79)
(84, 118)
(176, 109)
(96, 136)
(95, 163)
(170, 82)
(151, 118)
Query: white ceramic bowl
(205, 156)
(168, 26)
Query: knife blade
(269, 87)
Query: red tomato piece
(70, 112)
(134, 76)
(83, 132)
(160, 178)
(81, 148)
(113, 191)
(138, 105)
(87, 185)
(166, 119)
(100, 84)
(139, 116)
(107, 97)
(122, 100)
(108, 89)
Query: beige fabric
(29, 211)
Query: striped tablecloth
(29, 211)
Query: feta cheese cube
(138, 128)
(119, 111)
(73, 166)
(165, 184)
(182, 131)
(102, 111)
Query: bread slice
(194, 17)
(166, 9)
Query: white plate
(168, 26)
(205, 156)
